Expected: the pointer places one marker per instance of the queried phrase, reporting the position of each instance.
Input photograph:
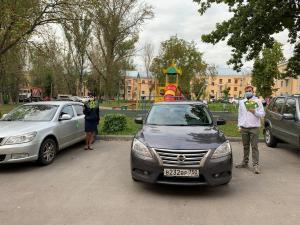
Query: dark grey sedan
(180, 144)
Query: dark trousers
(250, 138)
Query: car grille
(182, 158)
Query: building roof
(133, 73)
(230, 72)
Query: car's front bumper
(19, 152)
(212, 172)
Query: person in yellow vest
(91, 112)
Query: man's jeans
(250, 137)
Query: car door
(290, 127)
(79, 120)
(275, 116)
(67, 128)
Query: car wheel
(47, 152)
(270, 140)
(135, 180)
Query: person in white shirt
(251, 110)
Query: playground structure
(171, 91)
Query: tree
(266, 70)
(148, 55)
(226, 93)
(116, 25)
(252, 26)
(77, 32)
(18, 21)
(185, 55)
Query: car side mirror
(3, 116)
(288, 116)
(65, 117)
(221, 122)
(138, 120)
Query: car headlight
(141, 149)
(20, 138)
(223, 150)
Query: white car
(37, 131)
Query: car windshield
(32, 113)
(179, 115)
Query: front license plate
(181, 173)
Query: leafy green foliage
(114, 123)
(186, 57)
(252, 26)
(116, 26)
(265, 70)
(226, 93)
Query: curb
(129, 138)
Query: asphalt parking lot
(95, 187)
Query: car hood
(181, 137)
(12, 128)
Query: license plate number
(181, 173)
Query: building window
(213, 83)
(229, 89)
(220, 81)
(235, 88)
(212, 91)
(286, 83)
(128, 88)
(240, 92)
(143, 81)
(229, 81)
(235, 81)
(143, 92)
(281, 83)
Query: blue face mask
(248, 94)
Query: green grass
(230, 129)
(131, 129)
(223, 107)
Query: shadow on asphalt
(289, 148)
(188, 191)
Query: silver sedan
(37, 131)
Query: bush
(114, 123)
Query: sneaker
(242, 165)
(256, 170)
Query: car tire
(47, 152)
(135, 180)
(270, 140)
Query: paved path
(95, 187)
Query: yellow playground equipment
(171, 91)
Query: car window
(290, 106)
(179, 115)
(67, 110)
(78, 109)
(278, 105)
(32, 113)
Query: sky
(181, 18)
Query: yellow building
(286, 86)
(133, 85)
(235, 83)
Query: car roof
(59, 103)
(180, 103)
